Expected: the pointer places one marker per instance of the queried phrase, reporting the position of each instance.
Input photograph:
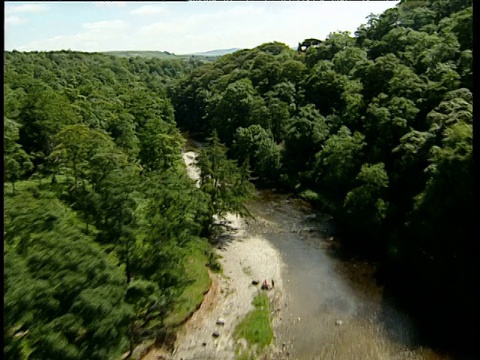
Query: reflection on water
(324, 316)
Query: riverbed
(327, 313)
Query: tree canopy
(102, 219)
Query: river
(333, 308)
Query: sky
(177, 27)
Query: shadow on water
(333, 309)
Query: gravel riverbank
(244, 258)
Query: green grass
(255, 328)
(196, 272)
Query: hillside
(218, 52)
(147, 54)
(202, 56)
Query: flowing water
(325, 314)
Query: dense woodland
(106, 238)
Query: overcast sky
(178, 27)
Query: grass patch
(255, 328)
(198, 283)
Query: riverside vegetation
(255, 328)
(106, 237)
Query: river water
(328, 313)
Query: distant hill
(218, 52)
(206, 56)
(150, 54)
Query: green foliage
(326, 50)
(149, 307)
(279, 110)
(346, 60)
(256, 145)
(314, 198)
(364, 205)
(60, 287)
(226, 185)
(76, 146)
(43, 113)
(456, 107)
(324, 87)
(238, 105)
(305, 135)
(450, 170)
(17, 161)
(256, 327)
(391, 118)
(160, 145)
(293, 71)
(339, 160)
(109, 139)
(122, 130)
(196, 283)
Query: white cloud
(226, 16)
(105, 25)
(85, 41)
(149, 10)
(15, 20)
(98, 36)
(25, 8)
(220, 28)
(161, 28)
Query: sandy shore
(244, 258)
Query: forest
(106, 238)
